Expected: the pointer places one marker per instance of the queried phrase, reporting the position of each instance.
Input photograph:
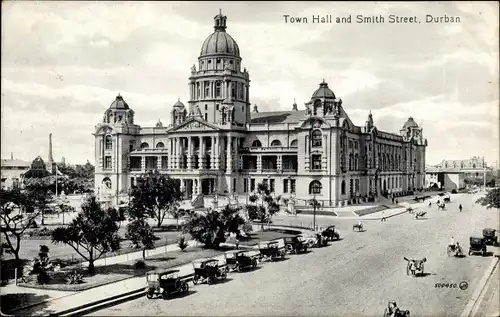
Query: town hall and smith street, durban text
(392, 18)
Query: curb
(480, 288)
(106, 302)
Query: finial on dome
(294, 106)
(220, 22)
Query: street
(352, 277)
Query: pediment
(194, 125)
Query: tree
(92, 233)
(491, 200)
(212, 227)
(155, 196)
(268, 207)
(19, 210)
(141, 234)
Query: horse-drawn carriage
(164, 283)
(420, 214)
(208, 270)
(477, 245)
(455, 250)
(358, 226)
(238, 260)
(393, 310)
(272, 250)
(415, 267)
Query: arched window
(109, 142)
(160, 145)
(294, 143)
(144, 145)
(342, 188)
(316, 138)
(315, 187)
(350, 162)
(276, 143)
(256, 143)
(107, 182)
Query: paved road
(352, 277)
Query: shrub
(140, 265)
(74, 278)
(182, 243)
(247, 227)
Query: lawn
(117, 272)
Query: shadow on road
(10, 302)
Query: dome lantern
(220, 22)
(323, 91)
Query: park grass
(121, 271)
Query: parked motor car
(164, 283)
(477, 245)
(489, 237)
(208, 270)
(330, 233)
(272, 250)
(314, 240)
(295, 244)
(239, 260)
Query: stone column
(190, 153)
(213, 154)
(143, 164)
(236, 146)
(183, 185)
(201, 156)
(307, 156)
(279, 163)
(229, 165)
(177, 152)
(324, 157)
(158, 162)
(259, 163)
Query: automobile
(489, 236)
(446, 199)
(295, 244)
(208, 270)
(477, 245)
(314, 240)
(330, 233)
(165, 283)
(415, 267)
(272, 250)
(238, 260)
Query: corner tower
(218, 88)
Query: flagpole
(56, 180)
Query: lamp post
(314, 212)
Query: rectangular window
(107, 162)
(245, 184)
(292, 186)
(252, 184)
(218, 89)
(285, 185)
(217, 107)
(234, 185)
(271, 185)
(206, 116)
(316, 162)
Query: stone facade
(218, 144)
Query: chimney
(51, 158)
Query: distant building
(451, 174)
(12, 171)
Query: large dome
(220, 42)
(323, 92)
(119, 103)
(410, 123)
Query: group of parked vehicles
(165, 283)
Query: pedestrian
(460, 207)
(430, 203)
(397, 201)
(237, 242)
(383, 216)
(393, 199)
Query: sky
(64, 62)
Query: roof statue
(193, 68)
(227, 65)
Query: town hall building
(217, 143)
